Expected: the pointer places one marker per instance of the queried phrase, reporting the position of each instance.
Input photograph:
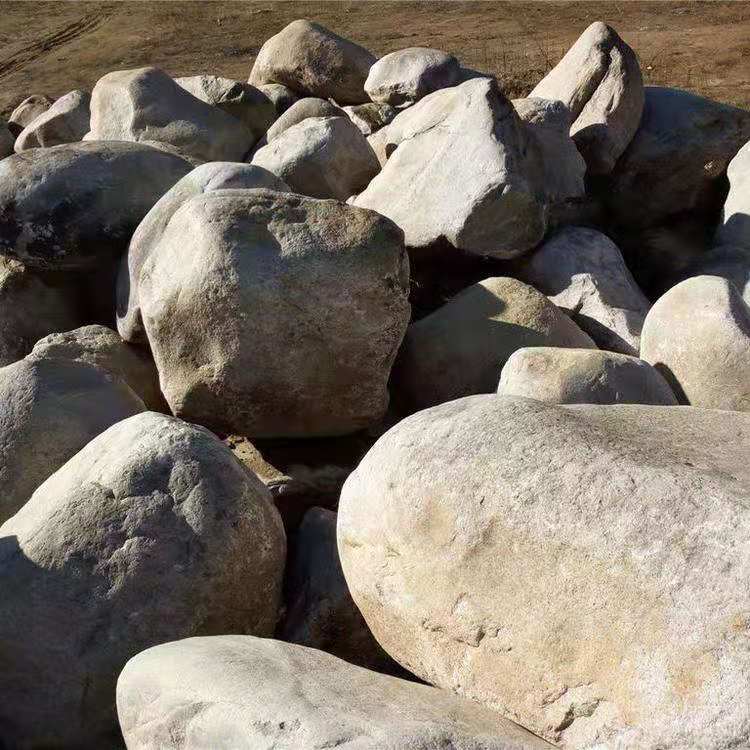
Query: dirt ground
(53, 47)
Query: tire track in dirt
(72, 31)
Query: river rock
(581, 569)
(66, 121)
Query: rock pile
(430, 385)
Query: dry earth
(53, 47)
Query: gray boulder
(286, 319)
(152, 532)
(582, 569)
(370, 117)
(247, 693)
(600, 81)
(582, 376)
(698, 336)
(309, 106)
(734, 228)
(731, 262)
(7, 140)
(66, 121)
(76, 205)
(583, 272)
(49, 411)
(279, 95)
(403, 77)
(145, 104)
(102, 347)
(323, 157)
(203, 179)
(29, 109)
(460, 349)
(313, 61)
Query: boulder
(407, 75)
(370, 117)
(146, 104)
(75, 206)
(313, 61)
(460, 349)
(583, 376)
(582, 569)
(323, 157)
(101, 346)
(280, 96)
(207, 177)
(734, 228)
(309, 106)
(600, 81)
(241, 100)
(29, 109)
(320, 612)
(7, 139)
(286, 319)
(152, 532)
(698, 336)
(583, 272)
(49, 411)
(30, 307)
(247, 693)
(66, 121)
(431, 187)
(728, 261)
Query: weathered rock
(101, 346)
(407, 75)
(152, 532)
(287, 318)
(698, 336)
(146, 104)
(581, 569)
(582, 271)
(66, 121)
(323, 157)
(583, 376)
(203, 179)
(48, 411)
(6, 140)
(734, 228)
(309, 106)
(313, 61)
(600, 81)
(460, 349)
(30, 307)
(76, 205)
(246, 693)
(369, 118)
(29, 109)
(728, 261)
(431, 186)
(241, 100)
(280, 96)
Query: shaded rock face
(66, 121)
(734, 229)
(50, 410)
(7, 140)
(152, 532)
(313, 61)
(370, 117)
(460, 349)
(243, 692)
(698, 336)
(279, 95)
(487, 540)
(286, 320)
(205, 178)
(583, 376)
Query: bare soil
(53, 47)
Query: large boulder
(48, 411)
(7, 140)
(66, 121)
(582, 569)
(203, 179)
(282, 97)
(582, 271)
(370, 117)
(431, 185)
(309, 106)
(323, 157)
(731, 262)
(403, 77)
(460, 349)
(313, 61)
(734, 228)
(76, 205)
(698, 336)
(241, 100)
(28, 110)
(582, 376)
(101, 346)
(247, 693)
(31, 307)
(145, 104)
(600, 81)
(153, 532)
(271, 314)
